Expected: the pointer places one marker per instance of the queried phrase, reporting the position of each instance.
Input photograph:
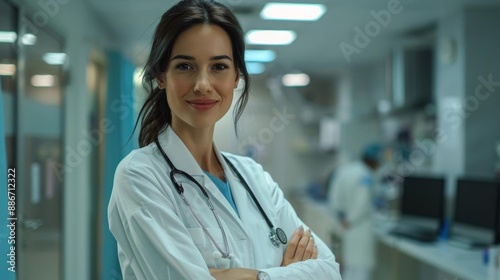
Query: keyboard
(467, 242)
(422, 235)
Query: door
(34, 137)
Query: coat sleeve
(323, 268)
(153, 240)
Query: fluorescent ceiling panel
(255, 68)
(260, 55)
(7, 69)
(292, 11)
(43, 80)
(8, 36)
(54, 58)
(295, 80)
(29, 39)
(270, 37)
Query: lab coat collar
(182, 159)
(178, 153)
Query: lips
(202, 104)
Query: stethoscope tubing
(180, 189)
(224, 254)
(269, 223)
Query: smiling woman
(180, 208)
(200, 78)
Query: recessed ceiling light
(54, 58)
(29, 39)
(260, 55)
(43, 80)
(270, 37)
(7, 69)
(295, 80)
(8, 36)
(255, 68)
(292, 11)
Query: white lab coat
(350, 193)
(158, 237)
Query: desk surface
(463, 263)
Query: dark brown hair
(155, 114)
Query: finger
(310, 247)
(315, 253)
(302, 246)
(292, 244)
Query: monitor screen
(476, 203)
(423, 197)
(475, 212)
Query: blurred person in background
(351, 197)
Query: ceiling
(317, 47)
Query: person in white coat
(350, 195)
(182, 209)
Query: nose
(202, 83)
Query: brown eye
(183, 67)
(220, 67)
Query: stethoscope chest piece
(278, 235)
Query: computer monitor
(422, 202)
(476, 211)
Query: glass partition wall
(31, 69)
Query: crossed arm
(301, 247)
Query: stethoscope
(277, 235)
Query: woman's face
(200, 77)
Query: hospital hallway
(409, 90)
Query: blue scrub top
(224, 189)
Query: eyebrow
(187, 57)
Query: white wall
(360, 89)
(467, 123)
(254, 129)
(286, 146)
(482, 101)
(449, 156)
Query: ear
(160, 81)
(237, 79)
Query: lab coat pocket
(208, 250)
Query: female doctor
(180, 208)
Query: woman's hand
(234, 274)
(300, 247)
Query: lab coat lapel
(240, 195)
(183, 160)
